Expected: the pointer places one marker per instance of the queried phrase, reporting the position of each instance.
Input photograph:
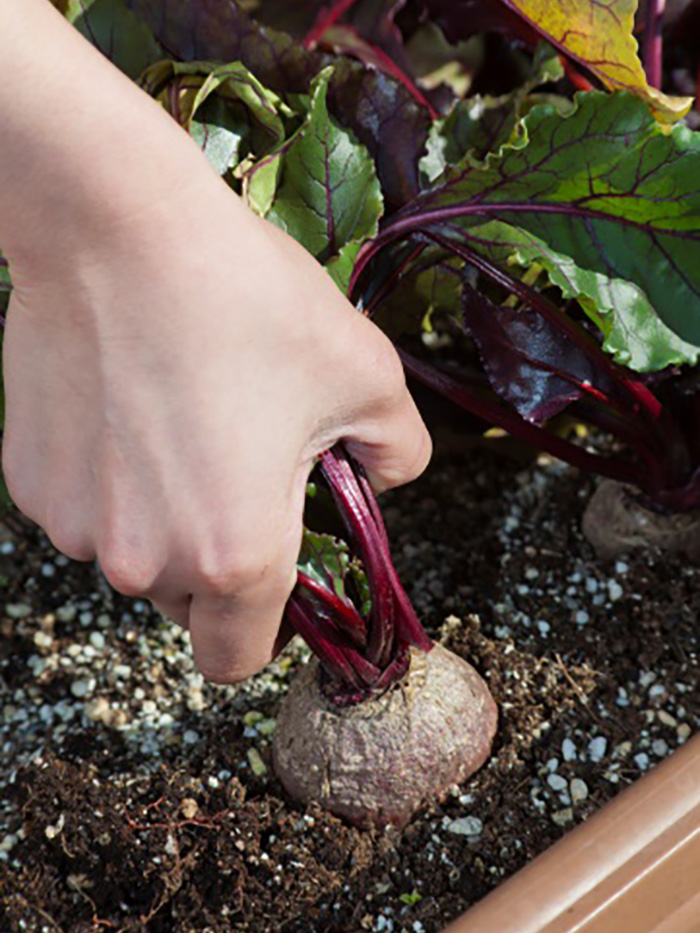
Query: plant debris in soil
(136, 797)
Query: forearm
(82, 149)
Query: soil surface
(138, 798)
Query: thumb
(392, 443)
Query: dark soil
(138, 798)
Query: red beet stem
(361, 656)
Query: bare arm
(172, 362)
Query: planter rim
(632, 867)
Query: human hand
(173, 363)
(166, 397)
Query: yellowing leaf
(598, 34)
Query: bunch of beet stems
(362, 657)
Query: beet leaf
(328, 196)
(599, 36)
(632, 333)
(481, 124)
(529, 362)
(596, 36)
(327, 132)
(223, 107)
(605, 186)
(219, 30)
(382, 113)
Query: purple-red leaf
(219, 30)
(528, 361)
(348, 41)
(387, 119)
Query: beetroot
(382, 720)
(617, 521)
(377, 761)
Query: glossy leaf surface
(529, 362)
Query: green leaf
(340, 267)
(329, 194)
(605, 186)
(260, 183)
(224, 107)
(382, 113)
(599, 35)
(328, 561)
(113, 29)
(482, 124)
(221, 137)
(634, 334)
(477, 125)
(261, 180)
(440, 289)
(325, 559)
(410, 899)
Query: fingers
(239, 592)
(236, 636)
(234, 619)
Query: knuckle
(227, 572)
(127, 570)
(129, 555)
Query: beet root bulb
(616, 523)
(375, 763)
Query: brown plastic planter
(632, 868)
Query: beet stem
(361, 656)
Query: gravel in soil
(136, 797)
